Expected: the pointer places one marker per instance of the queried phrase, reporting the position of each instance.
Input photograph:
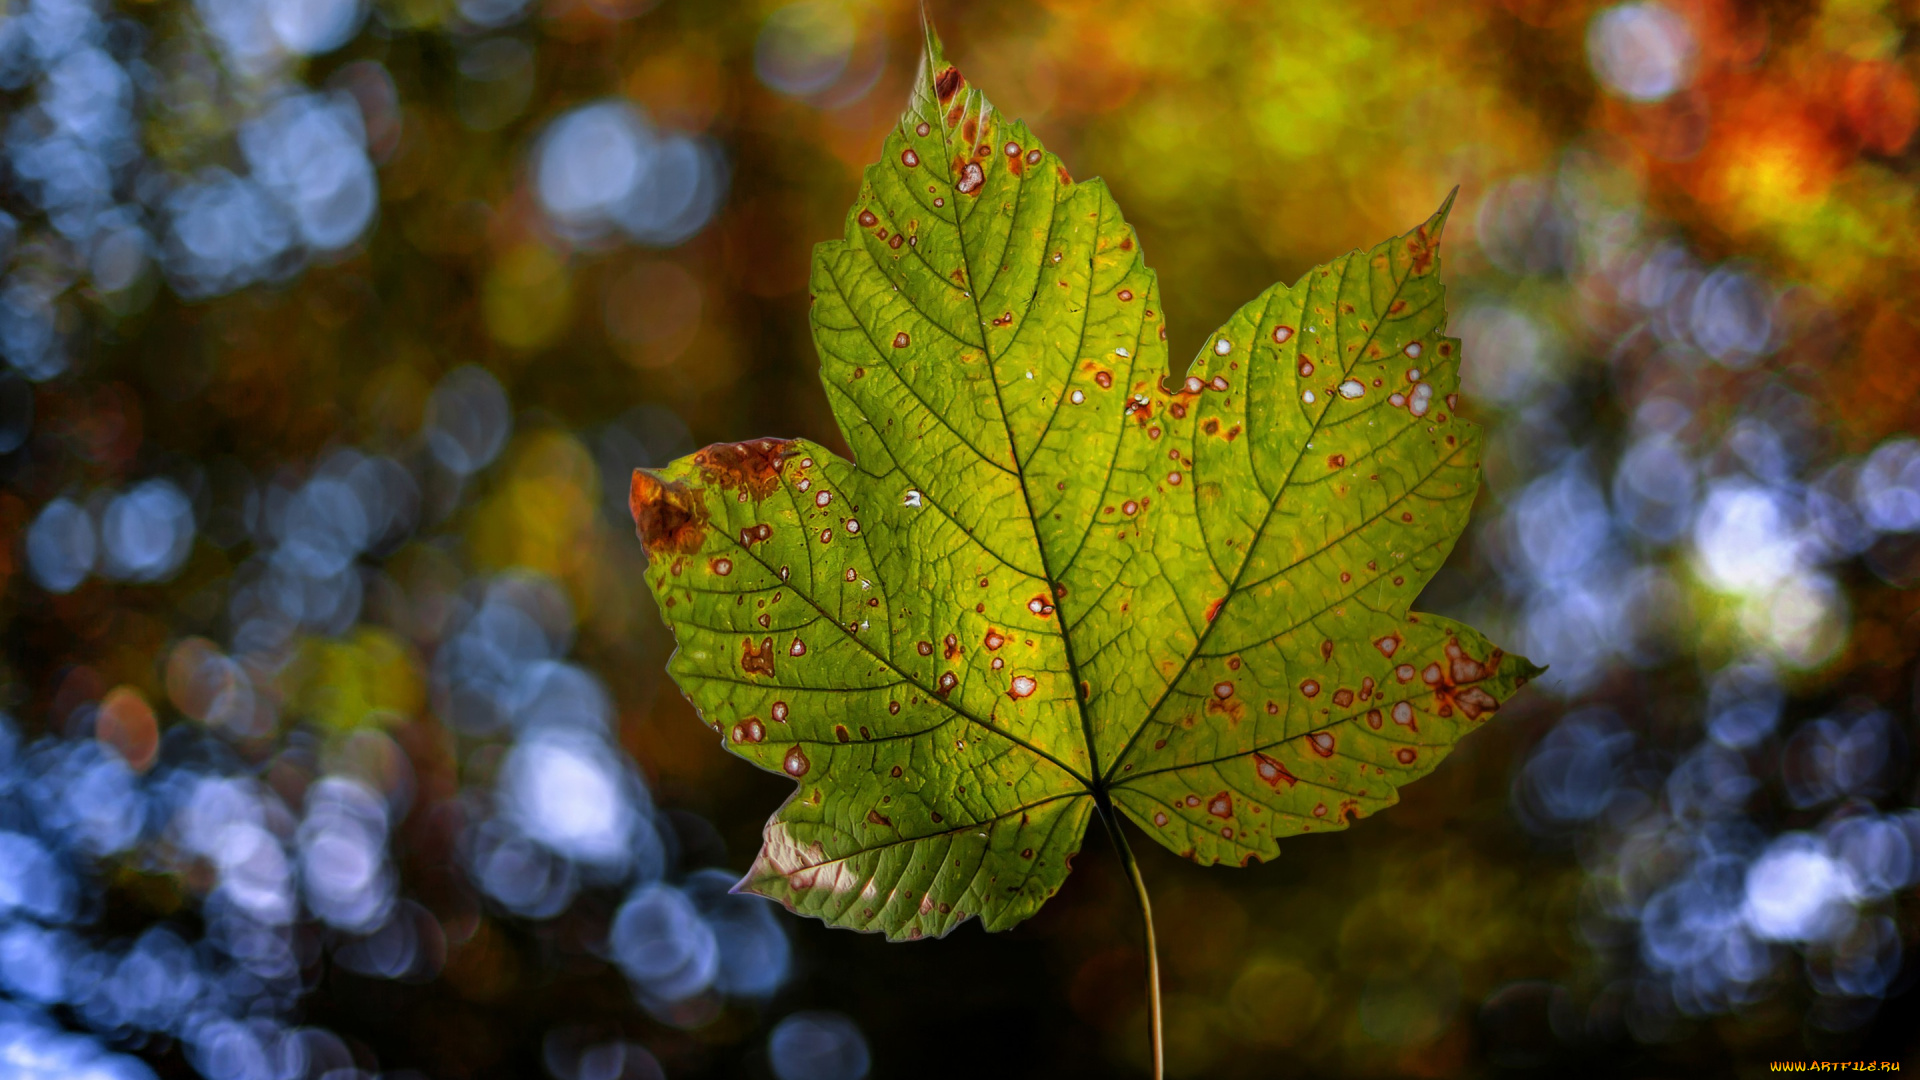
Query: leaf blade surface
(1054, 577)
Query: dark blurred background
(336, 741)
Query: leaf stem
(1114, 829)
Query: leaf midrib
(1233, 587)
(906, 676)
(1020, 470)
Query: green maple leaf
(1053, 583)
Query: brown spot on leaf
(757, 661)
(752, 466)
(1474, 701)
(947, 83)
(667, 516)
(1421, 248)
(1272, 772)
(1230, 707)
(795, 764)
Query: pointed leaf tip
(933, 55)
(1437, 224)
(933, 49)
(1423, 243)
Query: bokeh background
(336, 741)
